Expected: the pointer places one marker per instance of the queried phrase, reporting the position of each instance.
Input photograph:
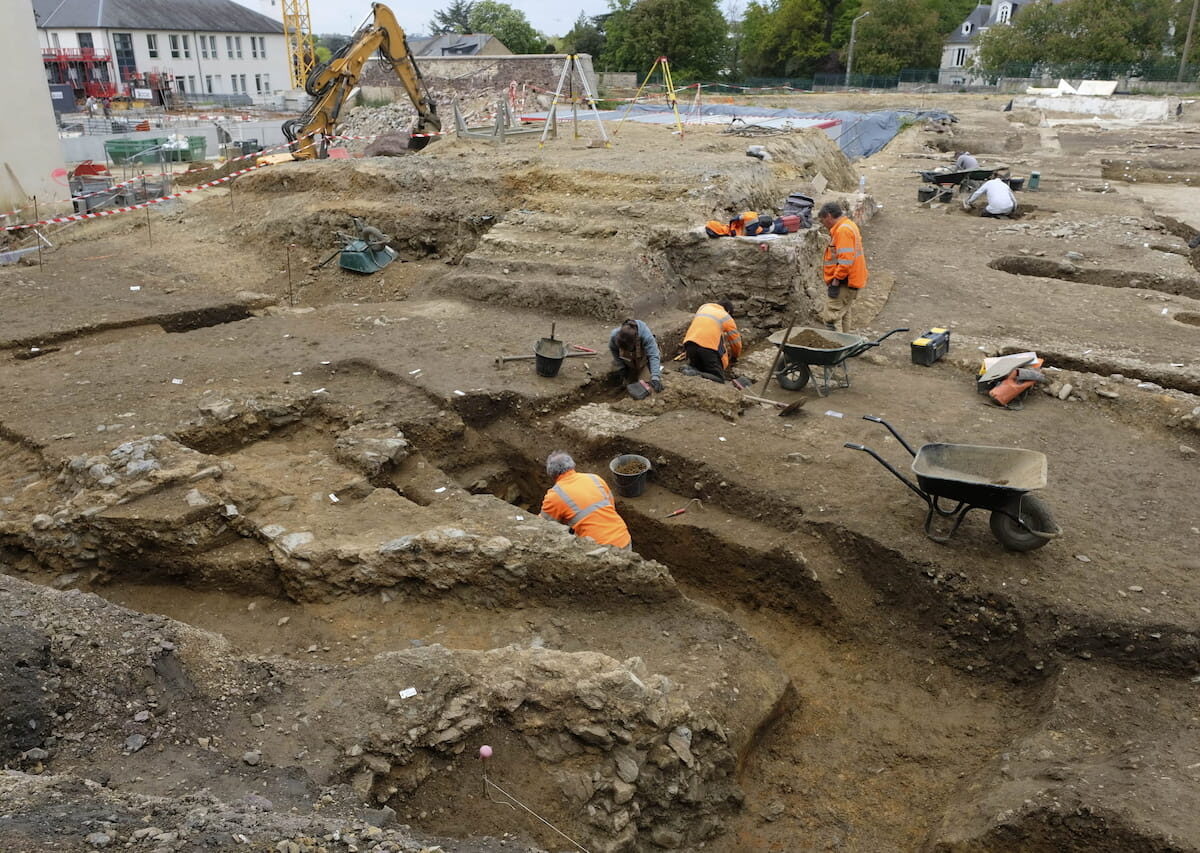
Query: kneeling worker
(999, 200)
(635, 354)
(712, 341)
(584, 503)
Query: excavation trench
(855, 624)
(1044, 268)
(176, 322)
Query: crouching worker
(712, 341)
(635, 354)
(584, 503)
(995, 197)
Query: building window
(254, 47)
(203, 47)
(262, 46)
(54, 40)
(229, 46)
(217, 82)
(174, 40)
(233, 83)
(179, 85)
(212, 46)
(243, 82)
(208, 83)
(266, 89)
(85, 41)
(1004, 14)
(237, 42)
(192, 83)
(187, 47)
(966, 28)
(960, 57)
(152, 45)
(123, 47)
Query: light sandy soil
(851, 684)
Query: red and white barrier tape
(77, 217)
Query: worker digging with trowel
(584, 503)
(713, 342)
(636, 361)
(994, 198)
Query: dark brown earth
(257, 506)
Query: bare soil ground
(248, 503)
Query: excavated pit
(347, 512)
(1066, 271)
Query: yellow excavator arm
(331, 84)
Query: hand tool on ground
(784, 408)
(503, 359)
(684, 508)
(582, 348)
(778, 355)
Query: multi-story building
(194, 49)
(960, 47)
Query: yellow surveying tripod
(671, 99)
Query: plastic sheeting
(856, 134)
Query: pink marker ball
(485, 751)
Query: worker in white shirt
(995, 197)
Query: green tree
(585, 36)
(1078, 33)
(507, 24)
(689, 33)
(455, 18)
(897, 34)
(783, 38)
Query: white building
(960, 47)
(192, 48)
(31, 160)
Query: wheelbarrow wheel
(1034, 513)
(793, 377)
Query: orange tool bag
(1016, 383)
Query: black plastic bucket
(548, 355)
(630, 485)
(926, 193)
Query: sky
(550, 17)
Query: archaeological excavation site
(275, 574)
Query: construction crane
(297, 33)
(331, 85)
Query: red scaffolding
(86, 69)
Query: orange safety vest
(713, 328)
(845, 262)
(737, 227)
(584, 503)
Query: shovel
(784, 408)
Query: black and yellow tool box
(931, 346)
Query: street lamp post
(1187, 42)
(850, 56)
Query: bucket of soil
(631, 471)
(548, 355)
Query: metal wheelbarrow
(974, 476)
(798, 361)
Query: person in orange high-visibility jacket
(584, 503)
(845, 268)
(712, 340)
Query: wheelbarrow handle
(891, 468)
(892, 430)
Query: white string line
(487, 781)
